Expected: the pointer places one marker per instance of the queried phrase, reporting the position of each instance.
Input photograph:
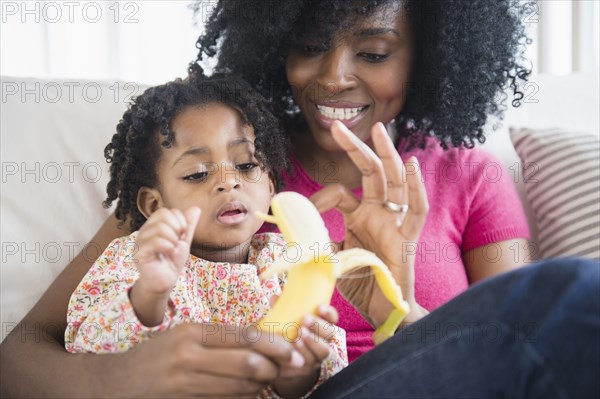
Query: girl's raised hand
(164, 243)
(387, 221)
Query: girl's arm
(193, 358)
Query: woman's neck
(323, 166)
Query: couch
(54, 173)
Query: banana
(312, 274)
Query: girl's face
(212, 165)
(360, 79)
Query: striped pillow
(561, 172)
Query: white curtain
(153, 41)
(566, 37)
(142, 41)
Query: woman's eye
(198, 176)
(310, 49)
(244, 167)
(373, 57)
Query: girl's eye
(245, 167)
(373, 57)
(194, 177)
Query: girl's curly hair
(135, 148)
(467, 53)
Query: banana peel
(313, 269)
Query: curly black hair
(134, 150)
(467, 53)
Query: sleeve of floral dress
(338, 355)
(100, 318)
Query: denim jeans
(533, 332)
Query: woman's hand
(378, 222)
(313, 345)
(190, 360)
(208, 360)
(164, 243)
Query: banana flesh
(312, 274)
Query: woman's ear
(148, 201)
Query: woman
(367, 62)
(463, 348)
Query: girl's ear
(271, 184)
(149, 201)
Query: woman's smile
(350, 114)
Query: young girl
(190, 164)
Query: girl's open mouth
(232, 213)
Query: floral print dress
(100, 317)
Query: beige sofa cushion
(53, 179)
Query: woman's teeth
(339, 113)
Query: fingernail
(322, 309)
(297, 360)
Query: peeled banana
(313, 269)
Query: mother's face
(360, 79)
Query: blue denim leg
(534, 332)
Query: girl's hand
(313, 345)
(164, 243)
(377, 222)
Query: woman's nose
(336, 73)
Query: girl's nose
(229, 179)
(336, 72)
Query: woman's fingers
(370, 166)
(241, 363)
(393, 167)
(417, 200)
(335, 196)
(202, 385)
(272, 346)
(209, 385)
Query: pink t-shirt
(472, 202)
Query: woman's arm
(184, 361)
(496, 258)
(35, 347)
